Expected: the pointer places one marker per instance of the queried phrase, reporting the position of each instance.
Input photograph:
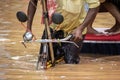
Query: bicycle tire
(43, 58)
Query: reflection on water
(17, 62)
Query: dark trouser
(69, 51)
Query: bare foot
(114, 28)
(114, 33)
(93, 31)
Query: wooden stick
(47, 28)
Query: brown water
(17, 62)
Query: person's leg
(90, 29)
(72, 53)
(115, 13)
(114, 28)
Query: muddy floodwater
(19, 63)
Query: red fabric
(51, 6)
(91, 37)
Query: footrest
(101, 44)
(94, 37)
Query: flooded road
(17, 62)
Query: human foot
(93, 31)
(113, 29)
(114, 33)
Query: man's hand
(28, 36)
(77, 33)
